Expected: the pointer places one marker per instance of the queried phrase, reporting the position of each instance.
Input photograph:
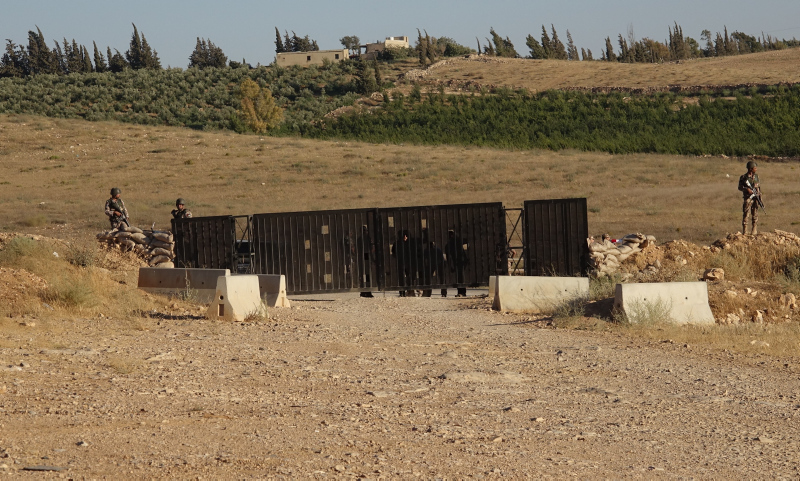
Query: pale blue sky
(246, 28)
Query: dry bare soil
(385, 388)
(135, 386)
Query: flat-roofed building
(371, 50)
(286, 59)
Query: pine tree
(206, 54)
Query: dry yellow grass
(538, 75)
(58, 173)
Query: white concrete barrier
(536, 294)
(273, 290)
(198, 284)
(236, 297)
(685, 302)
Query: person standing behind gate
(457, 260)
(180, 211)
(402, 253)
(116, 211)
(749, 185)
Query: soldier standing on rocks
(116, 211)
(749, 185)
(180, 211)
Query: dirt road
(384, 388)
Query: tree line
(69, 57)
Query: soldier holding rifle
(751, 192)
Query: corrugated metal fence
(555, 237)
(423, 247)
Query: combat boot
(755, 230)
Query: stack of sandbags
(156, 247)
(606, 256)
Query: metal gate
(324, 251)
(422, 247)
(555, 237)
(442, 246)
(205, 242)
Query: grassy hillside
(539, 75)
(57, 173)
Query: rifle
(757, 196)
(123, 218)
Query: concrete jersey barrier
(686, 302)
(235, 298)
(536, 294)
(199, 283)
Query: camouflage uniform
(113, 206)
(749, 205)
(181, 214)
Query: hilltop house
(315, 57)
(371, 50)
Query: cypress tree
(572, 50)
(40, 58)
(149, 55)
(547, 46)
(537, 52)
(99, 61)
(609, 54)
(430, 51)
(14, 61)
(559, 51)
(279, 47)
(87, 62)
(134, 54)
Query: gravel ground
(388, 387)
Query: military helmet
(751, 164)
(115, 191)
(180, 201)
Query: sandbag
(121, 234)
(165, 265)
(138, 237)
(127, 243)
(139, 248)
(613, 252)
(163, 245)
(162, 236)
(158, 260)
(158, 251)
(595, 247)
(132, 230)
(625, 250)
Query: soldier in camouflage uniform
(180, 211)
(749, 185)
(116, 211)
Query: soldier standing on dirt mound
(180, 211)
(116, 211)
(749, 185)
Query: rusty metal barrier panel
(441, 246)
(205, 242)
(323, 251)
(555, 237)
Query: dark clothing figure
(403, 252)
(181, 214)
(366, 256)
(457, 260)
